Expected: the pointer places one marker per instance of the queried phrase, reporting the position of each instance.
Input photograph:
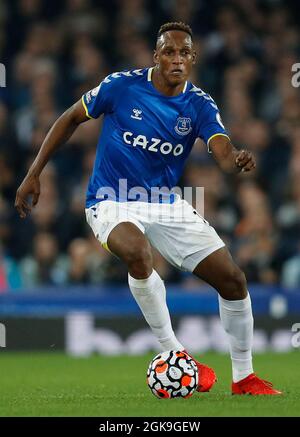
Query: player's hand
(245, 160)
(27, 195)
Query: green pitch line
(44, 384)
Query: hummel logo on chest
(136, 114)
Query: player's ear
(155, 57)
(194, 55)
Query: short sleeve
(209, 122)
(99, 100)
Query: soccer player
(152, 118)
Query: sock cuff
(143, 283)
(235, 305)
(242, 360)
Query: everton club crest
(183, 126)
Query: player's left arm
(229, 159)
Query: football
(172, 374)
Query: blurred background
(56, 282)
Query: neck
(163, 87)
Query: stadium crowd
(55, 51)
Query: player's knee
(139, 260)
(235, 285)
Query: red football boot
(253, 385)
(207, 376)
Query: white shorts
(177, 231)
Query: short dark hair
(175, 26)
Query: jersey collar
(149, 79)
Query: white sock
(237, 320)
(150, 295)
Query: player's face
(174, 56)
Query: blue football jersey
(146, 136)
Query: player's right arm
(58, 135)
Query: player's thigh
(129, 243)
(118, 229)
(220, 271)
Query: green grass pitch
(44, 384)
